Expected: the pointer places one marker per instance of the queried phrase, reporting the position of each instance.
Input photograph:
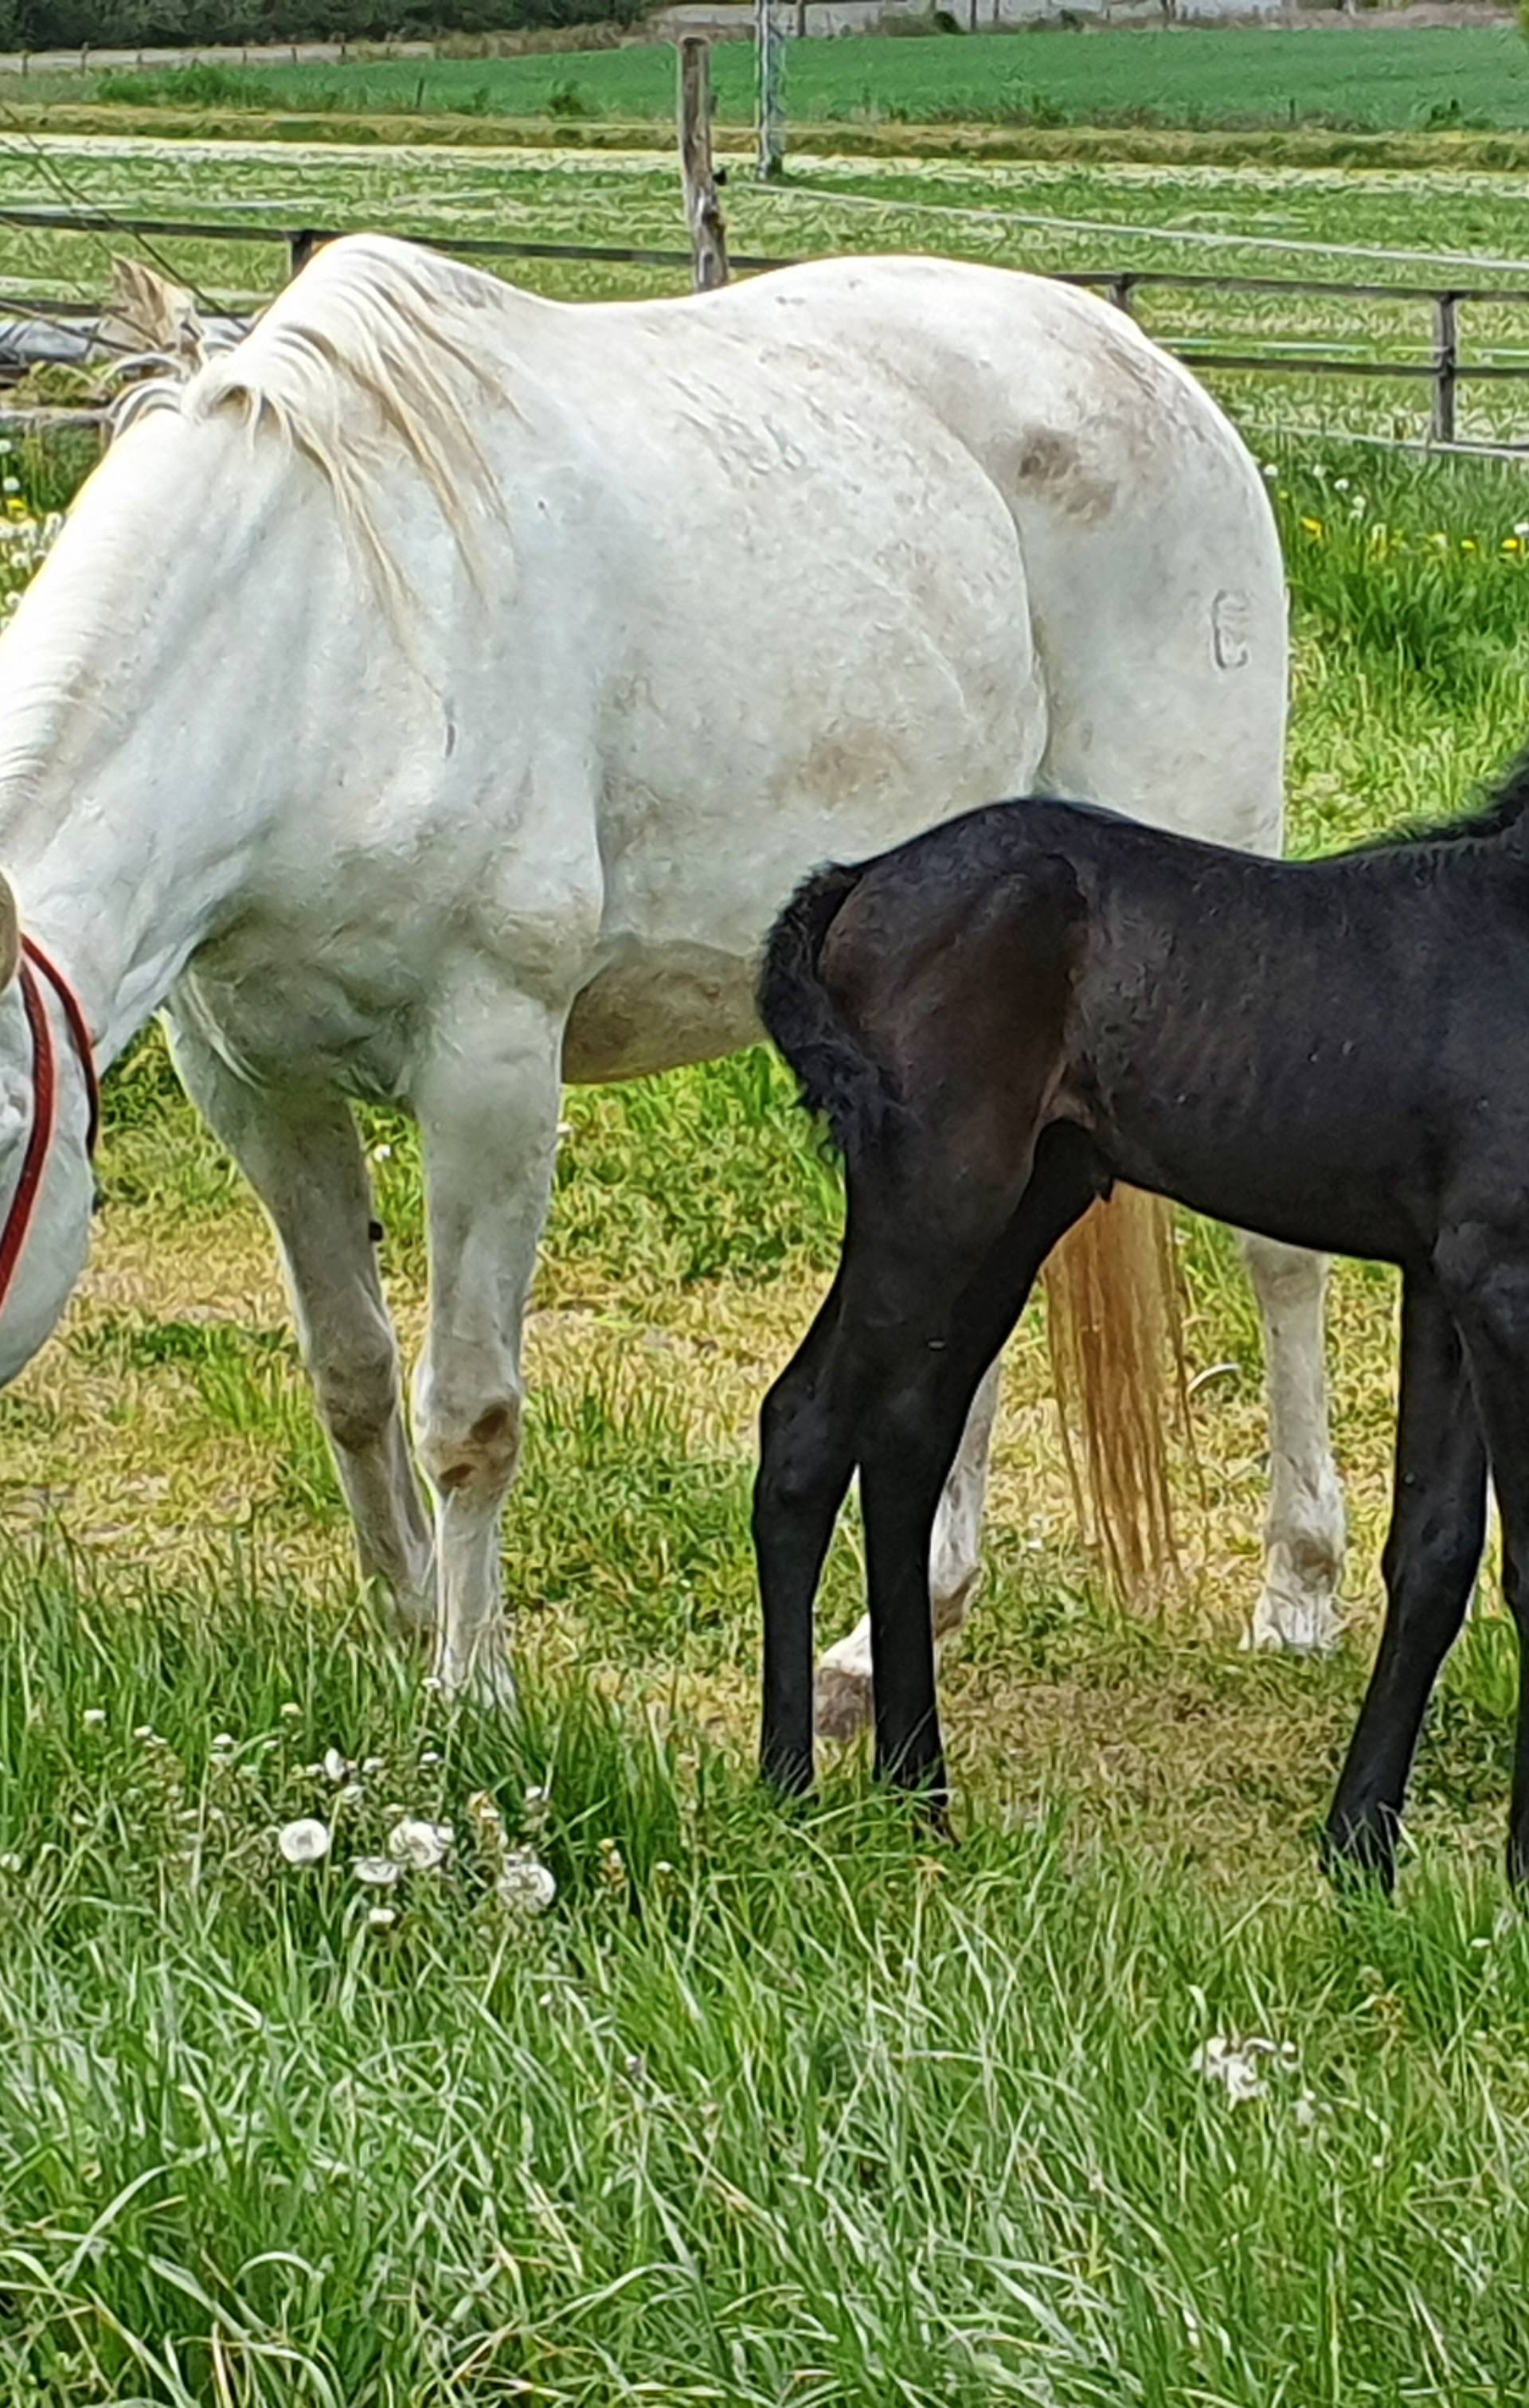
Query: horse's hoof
(485, 1681)
(1290, 1623)
(411, 1618)
(842, 1701)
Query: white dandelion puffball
(526, 1885)
(377, 1872)
(305, 1841)
(381, 1918)
(420, 1845)
(94, 1717)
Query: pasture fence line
(1442, 366)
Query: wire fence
(1439, 361)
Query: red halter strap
(44, 1096)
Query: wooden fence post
(1445, 365)
(301, 244)
(703, 210)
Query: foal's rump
(964, 983)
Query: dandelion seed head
(420, 1844)
(305, 1841)
(525, 1886)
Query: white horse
(437, 695)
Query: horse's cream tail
(1113, 1303)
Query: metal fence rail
(1441, 365)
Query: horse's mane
(374, 340)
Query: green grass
(1380, 80)
(764, 2109)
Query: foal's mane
(376, 339)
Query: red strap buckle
(44, 1096)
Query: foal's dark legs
(886, 1377)
(909, 1434)
(1432, 1552)
(1494, 1315)
(807, 1457)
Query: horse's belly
(653, 1010)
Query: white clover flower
(291, 1712)
(94, 1717)
(10, 484)
(429, 1756)
(12, 1862)
(381, 1154)
(305, 1841)
(381, 1918)
(222, 1742)
(526, 1887)
(1221, 2060)
(420, 1845)
(377, 1872)
(1271, 470)
(1235, 2064)
(335, 1767)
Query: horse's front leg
(487, 1102)
(301, 1155)
(1304, 1535)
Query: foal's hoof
(841, 1701)
(1359, 1856)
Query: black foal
(1008, 1015)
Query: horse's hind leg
(1304, 1532)
(302, 1156)
(917, 1410)
(1489, 1290)
(955, 1559)
(888, 1375)
(1432, 1551)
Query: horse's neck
(145, 725)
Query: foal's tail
(1113, 1293)
(840, 1080)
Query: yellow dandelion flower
(1313, 526)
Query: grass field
(760, 2110)
(1380, 80)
